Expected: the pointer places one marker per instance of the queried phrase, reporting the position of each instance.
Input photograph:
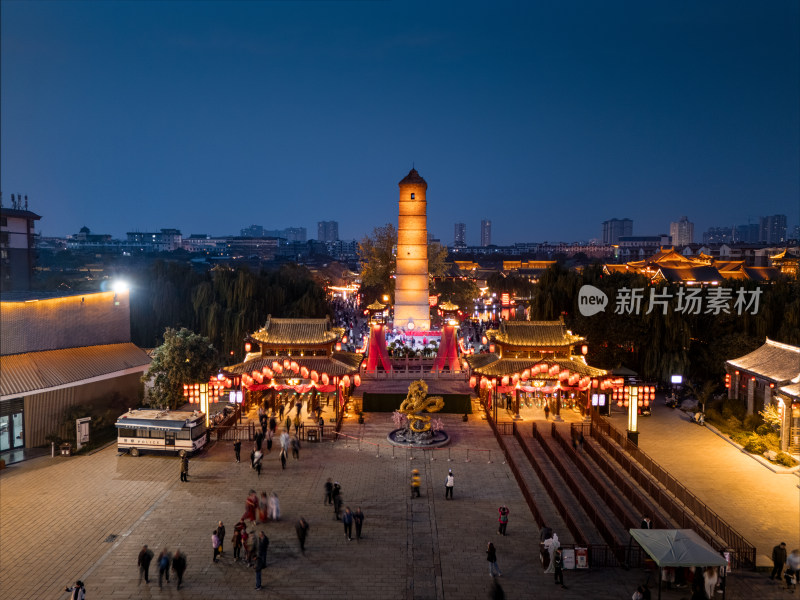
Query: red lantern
(304, 372)
(314, 376)
(287, 364)
(584, 349)
(472, 381)
(526, 374)
(346, 381)
(247, 346)
(344, 339)
(279, 369)
(504, 380)
(484, 340)
(295, 367)
(325, 379)
(491, 348)
(484, 383)
(515, 378)
(357, 379)
(563, 375)
(338, 346)
(276, 365)
(619, 403)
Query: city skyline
(209, 117)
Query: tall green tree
(183, 357)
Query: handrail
(531, 502)
(744, 553)
(572, 525)
(617, 544)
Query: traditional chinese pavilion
(297, 355)
(770, 375)
(535, 356)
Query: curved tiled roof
(448, 306)
(509, 366)
(297, 332)
(534, 334)
(413, 178)
(340, 363)
(376, 306)
(775, 361)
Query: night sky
(546, 117)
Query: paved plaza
(87, 517)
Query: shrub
(740, 437)
(785, 460)
(713, 415)
(755, 444)
(751, 422)
(732, 422)
(763, 429)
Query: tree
(437, 255)
(377, 260)
(183, 357)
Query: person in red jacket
(502, 519)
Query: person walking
(283, 458)
(337, 500)
(221, 535)
(261, 556)
(295, 448)
(184, 468)
(358, 519)
(347, 520)
(416, 483)
(237, 544)
(558, 567)
(792, 571)
(491, 556)
(296, 423)
(502, 519)
(250, 506)
(78, 591)
(302, 531)
(215, 545)
(145, 556)
(778, 561)
(449, 483)
(273, 508)
(710, 578)
(328, 492)
(237, 450)
(179, 566)
(546, 410)
(164, 560)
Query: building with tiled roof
(536, 357)
(296, 356)
(770, 375)
(671, 266)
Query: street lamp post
(633, 411)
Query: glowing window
(412, 196)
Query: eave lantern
(247, 346)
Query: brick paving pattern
(87, 517)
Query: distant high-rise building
(254, 231)
(682, 232)
(772, 230)
(615, 229)
(719, 235)
(460, 237)
(486, 233)
(328, 231)
(796, 232)
(746, 234)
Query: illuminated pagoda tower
(411, 303)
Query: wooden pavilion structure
(536, 357)
(297, 356)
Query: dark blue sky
(547, 118)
